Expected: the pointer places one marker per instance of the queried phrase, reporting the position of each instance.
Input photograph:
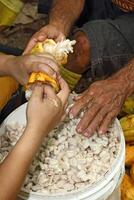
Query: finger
(63, 117)
(30, 45)
(42, 37)
(79, 96)
(96, 122)
(40, 67)
(64, 92)
(37, 92)
(87, 118)
(80, 104)
(47, 55)
(37, 37)
(49, 60)
(49, 91)
(107, 121)
(61, 37)
(66, 105)
(48, 70)
(23, 80)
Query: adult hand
(45, 108)
(47, 32)
(20, 67)
(102, 102)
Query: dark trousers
(111, 35)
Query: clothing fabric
(112, 45)
(110, 32)
(44, 6)
(126, 5)
(102, 9)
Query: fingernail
(59, 76)
(71, 116)
(100, 132)
(39, 84)
(41, 37)
(79, 130)
(54, 75)
(86, 134)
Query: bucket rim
(108, 176)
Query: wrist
(120, 83)
(63, 28)
(126, 78)
(36, 128)
(6, 66)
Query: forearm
(5, 67)
(26, 1)
(126, 76)
(14, 168)
(64, 13)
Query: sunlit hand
(45, 108)
(20, 67)
(47, 32)
(102, 102)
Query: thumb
(49, 91)
(64, 92)
(37, 92)
(42, 37)
(60, 37)
(30, 45)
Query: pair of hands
(102, 101)
(20, 67)
(45, 108)
(44, 104)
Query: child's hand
(20, 67)
(45, 108)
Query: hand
(45, 108)
(47, 32)
(80, 58)
(20, 67)
(102, 102)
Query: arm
(64, 13)
(14, 168)
(4, 70)
(127, 76)
(103, 101)
(20, 67)
(62, 16)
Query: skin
(103, 101)
(62, 16)
(20, 67)
(15, 167)
(79, 60)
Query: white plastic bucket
(100, 190)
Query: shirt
(125, 5)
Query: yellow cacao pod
(132, 172)
(130, 194)
(128, 106)
(125, 186)
(129, 155)
(127, 124)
